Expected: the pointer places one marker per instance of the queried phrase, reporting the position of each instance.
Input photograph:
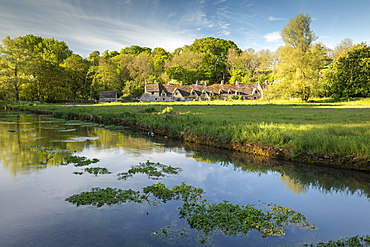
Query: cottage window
(163, 99)
(152, 93)
(155, 98)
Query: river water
(34, 186)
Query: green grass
(324, 127)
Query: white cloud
(272, 18)
(273, 37)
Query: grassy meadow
(322, 128)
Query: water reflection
(293, 185)
(20, 133)
(297, 177)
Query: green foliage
(97, 170)
(16, 66)
(356, 241)
(135, 50)
(214, 52)
(109, 196)
(301, 62)
(167, 110)
(78, 83)
(205, 217)
(78, 160)
(148, 110)
(349, 75)
(49, 50)
(153, 170)
(298, 34)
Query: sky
(88, 25)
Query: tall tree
(76, 69)
(48, 49)
(298, 34)
(16, 61)
(106, 77)
(214, 52)
(94, 58)
(300, 60)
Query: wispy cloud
(273, 37)
(272, 18)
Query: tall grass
(341, 128)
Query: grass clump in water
(78, 160)
(153, 170)
(207, 218)
(97, 170)
(356, 241)
(108, 196)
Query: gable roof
(185, 90)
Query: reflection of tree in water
(293, 185)
(299, 177)
(20, 135)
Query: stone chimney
(155, 81)
(236, 83)
(197, 83)
(146, 83)
(180, 83)
(205, 83)
(222, 82)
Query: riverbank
(334, 134)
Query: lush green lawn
(341, 128)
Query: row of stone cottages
(177, 92)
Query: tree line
(34, 68)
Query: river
(34, 186)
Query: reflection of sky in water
(33, 210)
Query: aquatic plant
(153, 170)
(109, 196)
(54, 127)
(356, 241)
(78, 160)
(97, 170)
(205, 217)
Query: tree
(76, 69)
(214, 51)
(135, 50)
(185, 67)
(297, 33)
(349, 75)
(106, 77)
(50, 50)
(16, 61)
(94, 58)
(342, 48)
(160, 57)
(300, 61)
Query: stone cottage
(169, 92)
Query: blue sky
(88, 25)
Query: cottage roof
(185, 90)
(153, 87)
